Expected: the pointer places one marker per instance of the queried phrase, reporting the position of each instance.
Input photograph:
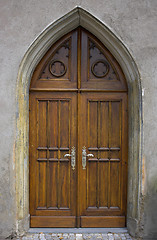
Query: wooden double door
(78, 136)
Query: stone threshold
(78, 230)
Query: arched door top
(98, 68)
(78, 130)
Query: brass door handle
(67, 155)
(90, 155)
(72, 155)
(84, 155)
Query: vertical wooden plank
(42, 184)
(42, 122)
(36, 186)
(110, 137)
(64, 124)
(52, 173)
(115, 124)
(78, 146)
(104, 143)
(48, 154)
(92, 184)
(92, 172)
(53, 181)
(59, 141)
(53, 123)
(98, 153)
(64, 184)
(104, 124)
(42, 142)
(115, 143)
(93, 124)
(114, 183)
(103, 184)
(72, 178)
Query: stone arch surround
(78, 17)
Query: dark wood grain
(49, 221)
(78, 97)
(52, 180)
(101, 222)
(102, 188)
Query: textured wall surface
(132, 21)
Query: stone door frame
(78, 17)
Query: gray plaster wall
(135, 23)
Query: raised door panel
(102, 185)
(53, 182)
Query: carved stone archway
(75, 18)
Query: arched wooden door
(78, 136)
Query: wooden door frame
(77, 17)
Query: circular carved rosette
(100, 68)
(57, 68)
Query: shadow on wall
(150, 211)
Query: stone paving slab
(76, 236)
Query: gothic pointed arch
(75, 18)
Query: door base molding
(86, 221)
(49, 221)
(103, 222)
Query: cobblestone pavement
(77, 236)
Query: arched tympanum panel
(78, 51)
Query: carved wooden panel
(99, 69)
(58, 67)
